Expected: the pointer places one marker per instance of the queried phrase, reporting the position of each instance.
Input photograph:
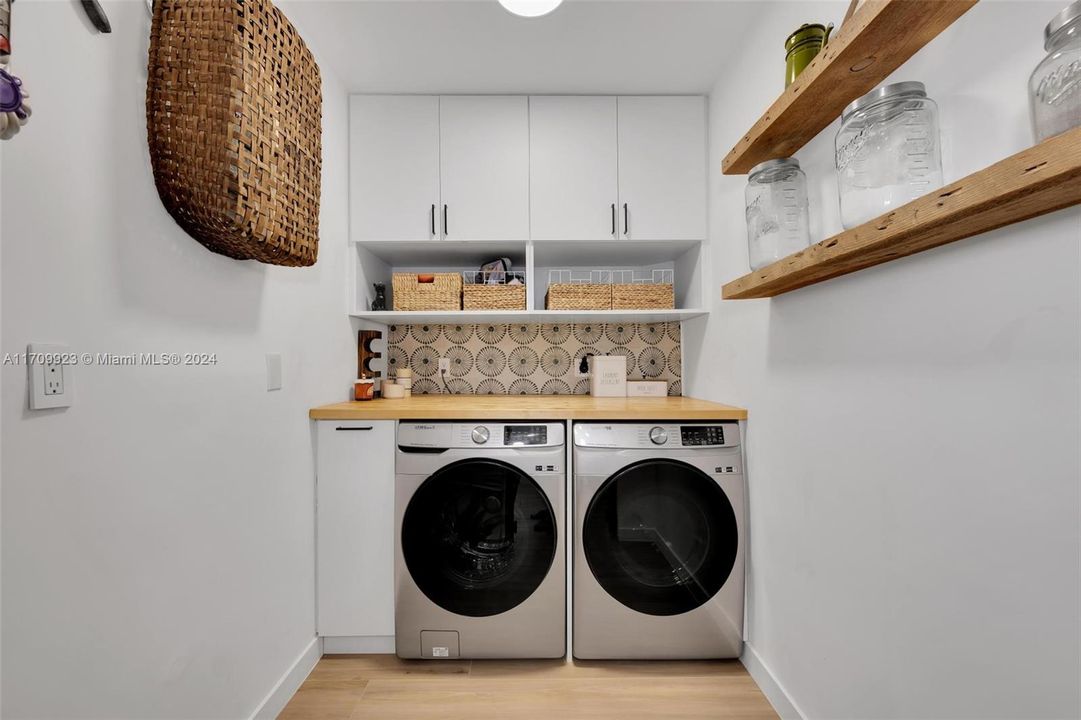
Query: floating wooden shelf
(1033, 182)
(874, 42)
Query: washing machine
(480, 568)
(659, 540)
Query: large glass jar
(777, 223)
(887, 151)
(1055, 85)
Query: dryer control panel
(664, 434)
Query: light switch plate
(49, 377)
(273, 371)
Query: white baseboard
(366, 645)
(778, 697)
(290, 682)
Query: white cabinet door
(484, 167)
(572, 168)
(355, 528)
(393, 167)
(662, 168)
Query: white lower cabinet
(355, 529)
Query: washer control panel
(479, 434)
(657, 435)
(702, 435)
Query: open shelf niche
(375, 262)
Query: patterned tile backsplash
(530, 359)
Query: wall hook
(97, 16)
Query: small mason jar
(887, 151)
(777, 219)
(1055, 85)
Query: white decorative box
(647, 388)
(608, 376)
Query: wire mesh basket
(579, 290)
(610, 289)
(493, 290)
(643, 290)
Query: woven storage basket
(493, 297)
(445, 293)
(234, 123)
(643, 296)
(578, 296)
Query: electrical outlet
(49, 376)
(578, 374)
(444, 365)
(54, 378)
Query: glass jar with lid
(1055, 85)
(777, 217)
(887, 151)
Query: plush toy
(14, 111)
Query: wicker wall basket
(234, 123)
(444, 293)
(578, 296)
(493, 297)
(643, 296)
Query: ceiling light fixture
(530, 8)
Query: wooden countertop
(528, 407)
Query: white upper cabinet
(512, 168)
(484, 167)
(572, 168)
(662, 168)
(394, 167)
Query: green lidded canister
(801, 48)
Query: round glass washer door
(478, 537)
(660, 537)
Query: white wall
(158, 553)
(913, 439)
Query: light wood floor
(382, 687)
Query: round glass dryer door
(478, 537)
(660, 537)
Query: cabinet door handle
(613, 218)
(433, 219)
(353, 428)
(626, 221)
(445, 230)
